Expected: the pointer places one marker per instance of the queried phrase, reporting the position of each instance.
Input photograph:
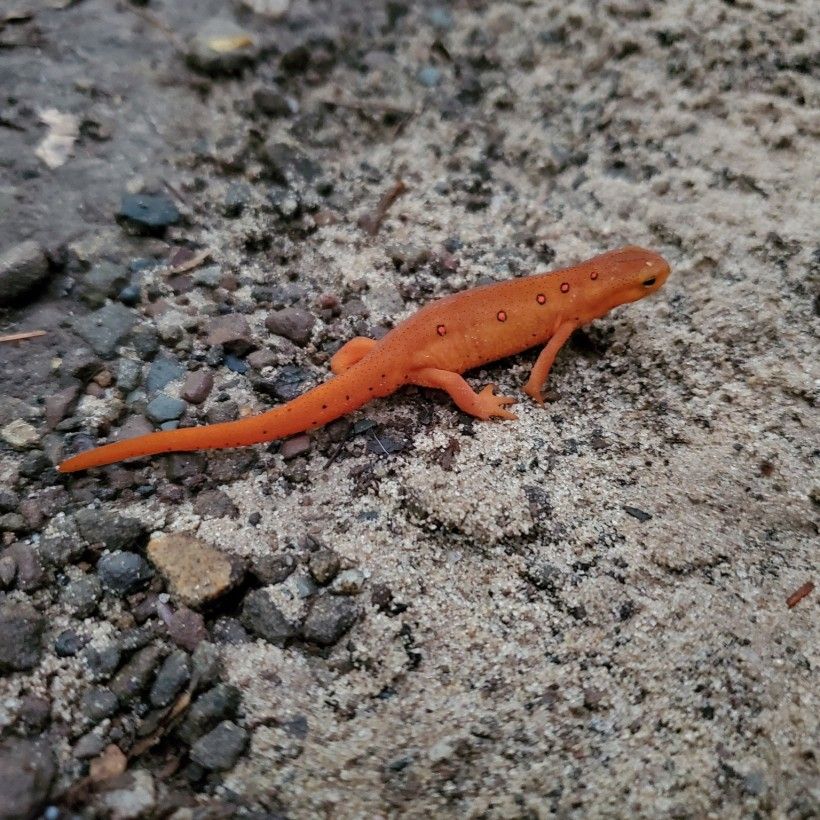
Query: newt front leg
(483, 405)
(543, 363)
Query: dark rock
(296, 446)
(217, 704)
(207, 666)
(134, 676)
(186, 628)
(61, 550)
(107, 328)
(235, 364)
(198, 386)
(219, 750)
(179, 466)
(222, 411)
(164, 408)
(104, 281)
(148, 214)
(273, 103)
(34, 713)
(27, 770)
(89, 745)
(34, 464)
(329, 619)
(289, 166)
(174, 673)
(103, 662)
(129, 375)
(30, 574)
(21, 632)
(21, 268)
(8, 500)
(228, 466)
(130, 295)
(229, 631)
(146, 341)
(273, 568)
(137, 637)
(98, 703)
(232, 332)
(264, 619)
(637, 513)
(123, 572)
(81, 595)
(324, 564)
(292, 323)
(59, 405)
(163, 371)
(68, 643)
(215, 504)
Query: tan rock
(195, 571)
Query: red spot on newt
(407, 355)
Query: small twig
(371, 222)
(194, 262)
(799, 594)
(26, 334)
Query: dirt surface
(408, 613)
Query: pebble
(289, 166)
(58, 405)
(35, 712)
(294, 324)
(81, 595)
(107, 328)
(324, 564)
(264, 619)
(186, 628)
(163, 408)
(195, 571)
(27, 770)
(273, 103)
(123, 572)
(429, 76)
(296, 446)
(232, 332)
(114, 531)
(130, 295)
(198, 386)
(20, 434)
(220, 749)
(21, 268)
(215, 504)
(235, 364)
(98, 703)
(68, 643)
(229, 631)
(103, 662)
(146, 341)
(260, 359)
(81, 363)
(8, 567)
(136, 798)
(129, 375)
(134, 676)
(272, 568)
(89, 745)
(21, 632)
(207, 665)
(163, 371)
(104, 281)
(174, 673)
(329, 619)
(349, 582)
(28, 568)
(148, 214)
(217, 704)
(221, 47)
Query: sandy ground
(549, 649)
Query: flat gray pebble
(219, 750)
(292, 323)
(21, 632)
(264, 619)
(329, 619)
(107, 328)
(165, 408)
(21, 268)
(98, 703)
(174, 673)
(81, 595)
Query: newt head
(623, 275)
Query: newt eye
(649, 282)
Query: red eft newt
(432, 348)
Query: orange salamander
(432, 348)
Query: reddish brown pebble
(799, 594)
(295, 446)
(197, 386)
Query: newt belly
(432, 348)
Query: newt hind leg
(350, 353)
(483, 405)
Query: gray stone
(174, 673)
(123, 572)
(217, 704)
(27, 770)
(21, 268)
(114, 531)
(164, 408)
(107, 328)
(89, 745)
(21, 632)
(129, 375)
(148, 214)
(263, 618)
(163, 370)
(133, 678)
(329, 619)
(68, 643)
(272, 568)
(290, 166)
(29, 569)
(103, 662)
(81, 595)
(219, 750)
(104, 281)
(292, 323)
(98, 703)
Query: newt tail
(324, 403)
